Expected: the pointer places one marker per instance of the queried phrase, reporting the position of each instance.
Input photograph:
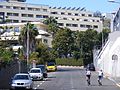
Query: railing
(102, 49)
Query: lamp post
(27, 45)
(113, 1)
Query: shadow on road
(68, 70)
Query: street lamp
(113, 1)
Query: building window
(8, 7)
(24, 21)
(82, 25)
(88, 26)
(90, 15)
(9, 14)
(53, 12)
(45, 41)
(64, 18)
(83, 14)
(95, 26)
(61, 24)
(62, 13)
(74, 25)
(77, 19)
(73, 19)
(76, 14)
(69, 14)
(85, 19)
(39, 16)
(69, 25)
(56, 17)
(1, 6)
(15, 7)
(8, 30)
(22, 8)
(30, 15)
(15, 14)
(45, 16)
(24, 15)
(97, 20)
(30, 9)
(37, 9)
(15, 21)
(16, 29)
(45, 10)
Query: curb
(118, 84)
(72, 66)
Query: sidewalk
(116, 80)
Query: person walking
(100, 76)
(88, 75)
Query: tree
(6, 55)
(63, 42)
(85, 42)
(52, 25)
(34, 56)
(43, 52)
(33, 32)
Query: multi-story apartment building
(116, 21)
(13, 31)
(75, 19)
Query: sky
(91, 5)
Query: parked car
(43, 69)
(51, 66)
(36, 74)
(91, 67)
(22, 80)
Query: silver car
(22, 80)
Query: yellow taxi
(51, 66)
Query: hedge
(69, 62)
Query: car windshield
(51, 64)
(21, 77)
(35, 71)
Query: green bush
(69, 62)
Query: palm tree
(52, 25)
(33, 32)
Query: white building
(13, 33)
(108, 59)
(73, 18)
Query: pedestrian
(100, 77)
(88, 75)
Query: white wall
(105, 62)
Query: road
(72, 78)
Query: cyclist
(100, 76)
(88, 75)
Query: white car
(22, 80)
(36, 74)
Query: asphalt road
(72, 78)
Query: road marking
(71, 81)
(38, 85)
